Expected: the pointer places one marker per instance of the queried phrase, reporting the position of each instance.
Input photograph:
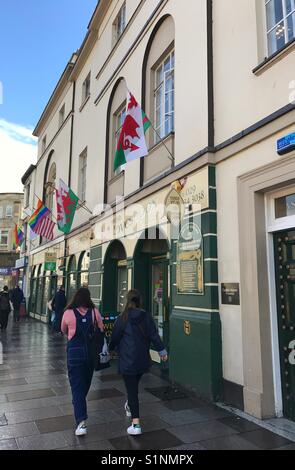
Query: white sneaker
(81, 429)
(134, 430)
(127, 409)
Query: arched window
(158, 98)
(115, 117)
(71, 277)
(50, 187)
(83, 270)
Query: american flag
(45, 228)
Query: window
(83, 270)
(280, 21)
(119, 121)
(61, 116)
(86, 88)
(43, 148)
(28, 190)
(1, 212)
(4, 239)
(50, 187)
(285, 206)
(9, 211)
(82, 175)
(120, 23)
(164, 98)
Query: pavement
(36, 411)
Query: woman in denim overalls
(78, 325)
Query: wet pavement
(36, 411)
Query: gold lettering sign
(187, 327)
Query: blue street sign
(286, 144)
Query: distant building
(10, 212)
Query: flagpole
(83, 206)
(46, 206)
(171, 157)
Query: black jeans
(131, 384)
(4, 319)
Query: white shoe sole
(134, 432)
(81, 432)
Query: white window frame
(120, 22)
(119, 121)
(61, 115)
(83, 175)
(9, 211)
(4, 233)
(282, 223)
(285, 18)
(160, 126)
(86, 88)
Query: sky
(37, 39)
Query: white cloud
(18, 150)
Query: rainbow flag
(18, 237)
(38, 215)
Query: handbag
(95, 344)
(104, 357)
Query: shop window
(1, 212)
(280, 21)
(71, 278)
(33, 293)
(285, 206)
(122, 285)
(40, 290)
(83, 270)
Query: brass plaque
(187, 327)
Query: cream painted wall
(227, 174)
(242, 98)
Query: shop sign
(6, 271)
(174, 207)
(230, 294)
(21, 263)
(286, 144)
(50, 266)
(50, 261)
(190, 269)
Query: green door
(284, 246)
(160, 297)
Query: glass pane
(290, 6)
(159, 76)
(46, 295)
(291, 27)
(84, 278)
(276, 38)
(285, 206)
(167, 64)
(157, 301)
(274, 13)
(122, 288)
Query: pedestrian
(78, 324)
(5, 308)
(58, 304)
(133, 334)
(16, 297)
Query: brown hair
(82, 298)
(133, 301)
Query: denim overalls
(80, 368)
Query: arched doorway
(115, 284)
(152, 277)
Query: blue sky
(37, 38)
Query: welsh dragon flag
(66, 201)
(132, 143)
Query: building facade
(10, 214)
(216, 82)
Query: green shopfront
(175, 268)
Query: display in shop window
(190, 261)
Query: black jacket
(59, 302)
(132, 340)
(16, 296)
(5, 304)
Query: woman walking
(133, 334)
(78, 324)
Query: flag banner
(18, 237)
(45, 228)
(132, 143)
(66, 201)
(38, 215)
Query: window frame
(158, 137)
(120, 23)
(83, 175)
(9, 213)
(86, 87)
(2, 232)
(283, 20)
(119, 117)
(61, 115)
